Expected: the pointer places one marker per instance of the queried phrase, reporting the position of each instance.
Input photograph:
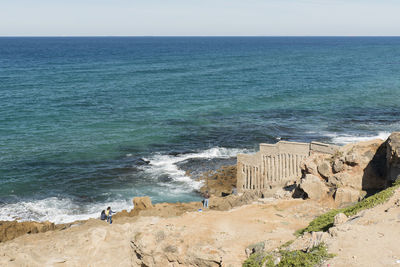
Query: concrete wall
(275, 164)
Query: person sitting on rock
(205, 201)
(103, 215)
(109, 213)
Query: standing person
(109, 213)
(205, 201)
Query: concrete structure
(275, 164)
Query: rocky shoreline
(177, 234)
(218, 183)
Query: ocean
(87, 123)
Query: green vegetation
(319, 253)
(259, 259)
(295, 258)
(325, 221)
(299, 258)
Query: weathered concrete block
(323, 148)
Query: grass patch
(294, 258)
(299, 258)
(259, 259)
(325, 221)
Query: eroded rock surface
(347, 175)
(314, 187)
(12, 229)
(393, 156)
(208, 238)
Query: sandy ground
(191, 237)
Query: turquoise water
(91, 122)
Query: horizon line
(182, 36)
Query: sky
(199, 18)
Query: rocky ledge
(353, 172)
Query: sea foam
(64, 210)
(57, 210)
(160, 164)
(347, 139)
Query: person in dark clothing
(103, 215)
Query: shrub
(294, 258)
(258, 259)
(299, 258)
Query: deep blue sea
(87, 123)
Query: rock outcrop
(393, 156)
(231, 201)
(349, 174)
(141, 203)
(221, 182)
(12, 229)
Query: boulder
(324, 169)
(337, 179)
(393, 156)
(352, 159)
(308, 241)
(314, 187)
(338, 166)
(255, 248)
(344, 195)
(339, 218)
(309, 166)
(283, 194)
(346, 179)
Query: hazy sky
(199, 17)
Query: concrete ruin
(275, 164)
